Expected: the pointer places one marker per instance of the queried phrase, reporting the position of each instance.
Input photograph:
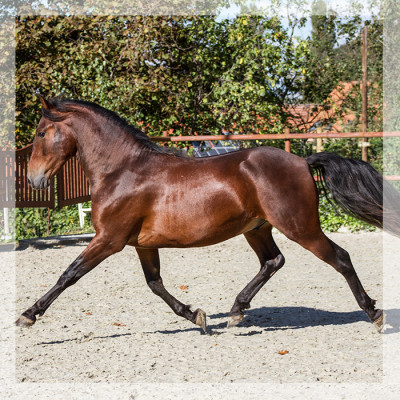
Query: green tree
(321, 55)
(185, 74)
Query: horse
(146, 196)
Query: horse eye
(41, 134)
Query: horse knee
(156, 286)
(72, 274)
(114, 247)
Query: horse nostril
(29, 181)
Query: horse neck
(102, 147)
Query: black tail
(359, 190)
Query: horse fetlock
(242, 302)
(369, 307)
(245, 306)
(183, 310)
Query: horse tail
(359, 190)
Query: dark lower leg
(150, 261)
(345, 267)
(96, 252)
(339, 258)
(183, 310)
(271, 261)
(44, 302)
(364, 301)
(244, 298)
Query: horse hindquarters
(290, 204)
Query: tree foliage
(321, 55)
(335, 53)
(185, 74)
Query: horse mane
(61, 107)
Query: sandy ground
(109, 327)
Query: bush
(332, 220)
(40, 222)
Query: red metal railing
(275, 136)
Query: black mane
(62, 106)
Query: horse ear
(44, 102)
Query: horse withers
(148, 197)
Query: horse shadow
(53, 242)
(291, 318)
(283, 318)
(273, 319)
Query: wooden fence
(25, 196)
(7, 179)
(71, 186)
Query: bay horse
(147, 197)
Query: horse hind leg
(271, 260)
(331, 253)
(150, 261)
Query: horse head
(53, 145)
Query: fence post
(364, 93)
(287, 141)
(319, 141)
(6, 222)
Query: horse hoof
(201, 319)
(380, 322)
(24, 322)
(233, 320)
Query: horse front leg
(97, 250)
(150, 260)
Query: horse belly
(196, 236)
(196, 230)
(201, 209)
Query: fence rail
(71, 185)
(275, 136)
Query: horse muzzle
(39, 181)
